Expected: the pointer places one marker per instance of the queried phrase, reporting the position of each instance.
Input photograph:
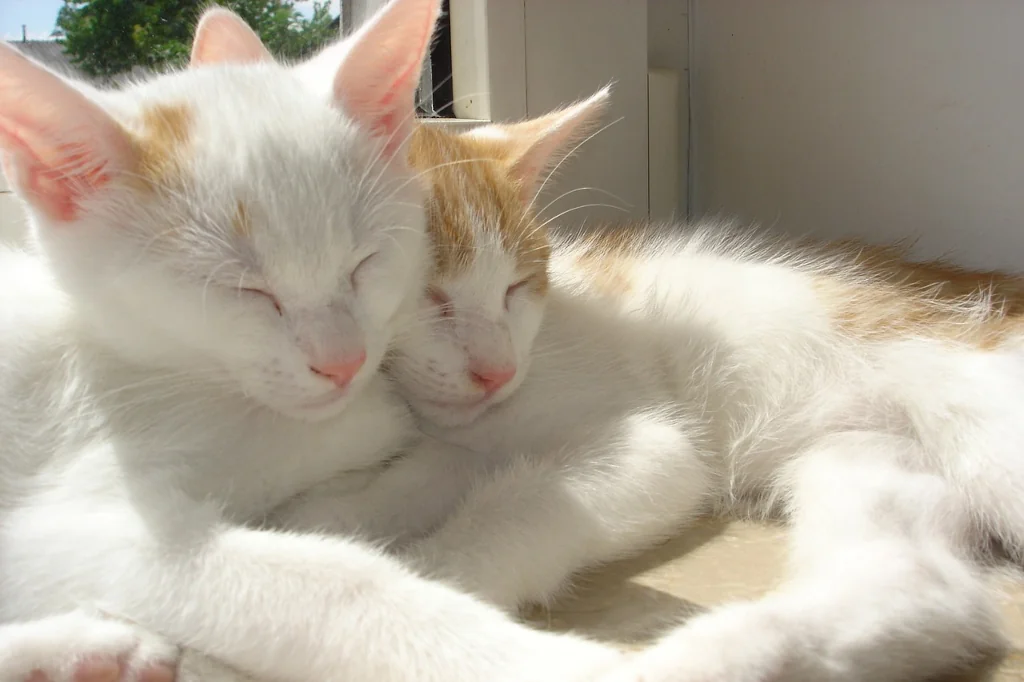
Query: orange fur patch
(160, 142)
(471, 188)
(240, 221)
(931, 300)
(609, 276)
(608, 256)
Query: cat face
(270, 257)
(485, 302)
(228, 223)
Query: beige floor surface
(631, 602)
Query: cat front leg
(880, 590)
(83, 647)
(303, 607)
(279, 605)
(521, 533)
(397, 504)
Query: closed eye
(265, 294)
(353, 278)
(516, 288)
(441, 300)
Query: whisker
(423, 172)
(538, 227)
(576, 208)
(580, 189)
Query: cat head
(226, 223)
(485, 302)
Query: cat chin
(454, 413)
(314, 410)
(449, 415)
(314, 414)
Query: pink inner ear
(59, 146)
(529, 180)
(77, 176)
(543, 143)
(57, 183)
(377, 78)
(388, 123)
(393, 109)
(530, 168)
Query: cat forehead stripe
(240, 222)
(471, 191)
(161, 141)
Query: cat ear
(223, 36)
(60, 148)
(535, 147)
(380, 71)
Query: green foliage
(108, 37)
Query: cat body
(220, 259)
(649, 376)
(732, 362)
(759, 348)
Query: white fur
(719, 384)
(152, 410)
(27, 648)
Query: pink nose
(491, 378)
(341, 372)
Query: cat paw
(105, 669)
(79, 647)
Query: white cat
(221, 258)
(876, 404)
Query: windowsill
(459, 123)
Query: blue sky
(40, 15)
(37, 15)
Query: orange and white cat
(589, 396)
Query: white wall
(668, 47)
(519, 58)
(876, 118)
(573, 48)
